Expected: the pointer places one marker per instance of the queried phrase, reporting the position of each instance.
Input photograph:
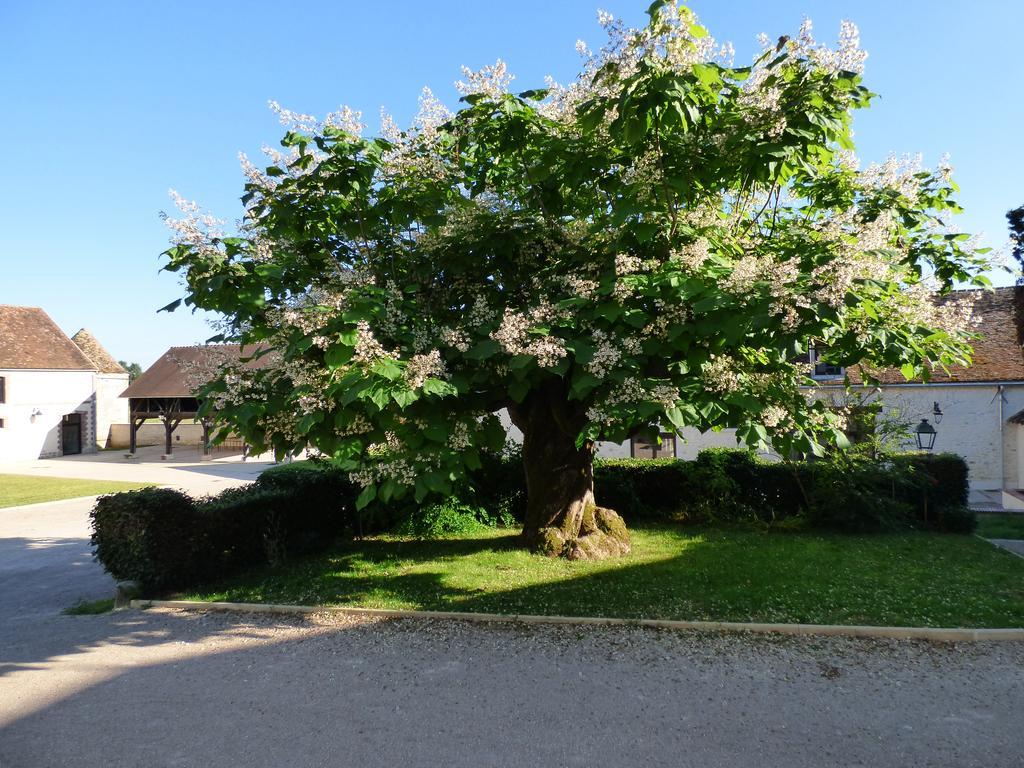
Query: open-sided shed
(167, 389)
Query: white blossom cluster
(194, 228)
(667, 315)
(896, 173)
(491, 81)
(367, 349)
(632, 392)
(776, 417)
(720, 374)
(423, 367)
(692, 256)
(345, 119)
(606, 355)
(514, 335)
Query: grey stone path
(166, 688)
(1013, 545)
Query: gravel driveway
(168, 688)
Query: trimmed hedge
(843, 493)
(165, 539)
(154, 536)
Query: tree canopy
(653, 245)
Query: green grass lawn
(915, 579)
(26, 489)
(1001, 526)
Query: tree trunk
(562, 518)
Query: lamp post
(937, 412)
(925, 434)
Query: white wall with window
(33, 407)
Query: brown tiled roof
(180, 371)
(29, 339)
(104, 363)
(997, 354)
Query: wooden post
(171, 416)
(135, 421)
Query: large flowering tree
(652, 246)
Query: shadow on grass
(736, 575)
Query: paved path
(185, 471)
(1012, 545)
(165, 688)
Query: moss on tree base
(602, 534)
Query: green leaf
(518, 390)
(439, 388)
(404, 397)
(368, 494)
(483, 349)
(380, 396)
(675, 417)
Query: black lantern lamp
(936, 413)
(925, 433)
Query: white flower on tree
(592, 262)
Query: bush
(164, 539)
(843, 492)
(445, 519)
(851, 494)
(499, 485)
(323, 498)
(641, 488)
(154, 536)
(957, 520)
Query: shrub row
(165, 539)
(843, 493)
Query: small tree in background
(1015, 218)
(654, 244)
(134, 369)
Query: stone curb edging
(940, 634)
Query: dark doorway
(71, 434)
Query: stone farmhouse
(58, 395)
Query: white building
(57, 396)
(981, 408)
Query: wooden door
(71, 434)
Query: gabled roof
(180, 371)
(998, 355)
(30, 340)
(93, 350)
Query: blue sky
(110, 104)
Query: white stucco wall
(111, 408)
(52, 394)
(973, 426)
(687, 446)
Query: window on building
(642, 448)
(822, 370)
(1, 423)
(3, 389)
